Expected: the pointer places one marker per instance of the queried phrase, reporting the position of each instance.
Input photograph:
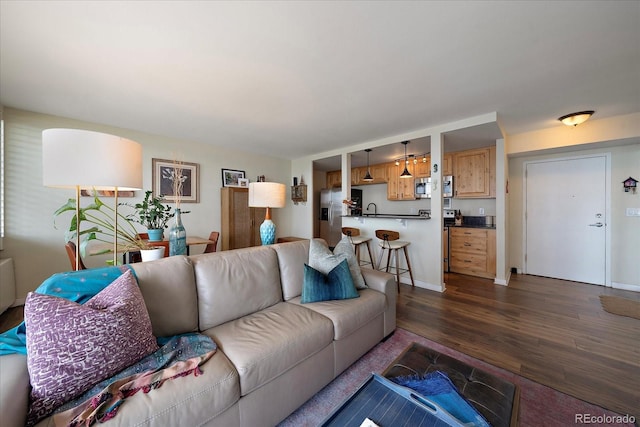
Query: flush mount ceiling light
(405, 173)
(574, 119)
(368, 177)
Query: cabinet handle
(467, 244)
(467, 260)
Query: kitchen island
(470, 250)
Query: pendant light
(405, 173)
(368, 177)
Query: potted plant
(152, 214)
(103, 229)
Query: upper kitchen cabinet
(378, 172)
(423, 168)
(400, 188)
(447, 164)
(472, 172)
(334, 179)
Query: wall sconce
(630, 185)
(574, 119)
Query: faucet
(375, 208)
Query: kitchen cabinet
(447, 164)
(472, 251)
(400, 188)
(334, 179)
(240, 224)
(445, 249)
(378, 172)
(423, 169)
(472, 173)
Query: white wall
(37, 247)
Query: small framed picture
(231, 178)
(164, 172)
(243, 182)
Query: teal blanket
(78, 286)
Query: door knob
(597, 224)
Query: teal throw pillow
(322, 259)
(336, 285)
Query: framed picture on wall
(165, 172)
(231, 178)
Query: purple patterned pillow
(71, 347)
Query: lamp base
(268, 232)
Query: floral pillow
(71, 347)
(322, 259)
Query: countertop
(489, 227)
(388, 216)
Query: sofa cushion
(169, 290)
(350, 315)
(186, 401)
(71, 347)
(322, 259)
(338, 284)
(232, 284)
(291, 258)
(265, 344)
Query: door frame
(607, 215)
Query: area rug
(539, 405)
(620, 306)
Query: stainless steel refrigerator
(331, 213)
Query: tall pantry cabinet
(240, 224)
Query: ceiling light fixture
(574, 119)
(405, 173)
(368, 177)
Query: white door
(565, 219)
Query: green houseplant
(151, 213)
(101, 217)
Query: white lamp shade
(74, 157)
(266, 195)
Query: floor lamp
(82, 159)
(267, 195)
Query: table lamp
(267, 195)
(82, 159)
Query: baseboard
(423, 285)
(634, 288)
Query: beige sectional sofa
(274, 353)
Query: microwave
(423, 187)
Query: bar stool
(356, 240)
(389, 241)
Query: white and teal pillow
(336, 285)
(322, 259)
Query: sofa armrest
(386, 283)
(14, 390)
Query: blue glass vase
(177, 236)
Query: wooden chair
(356, 240)
(71, 252)
(212, 247)
(389, 241)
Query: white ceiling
(291, 79)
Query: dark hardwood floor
(551, 331)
